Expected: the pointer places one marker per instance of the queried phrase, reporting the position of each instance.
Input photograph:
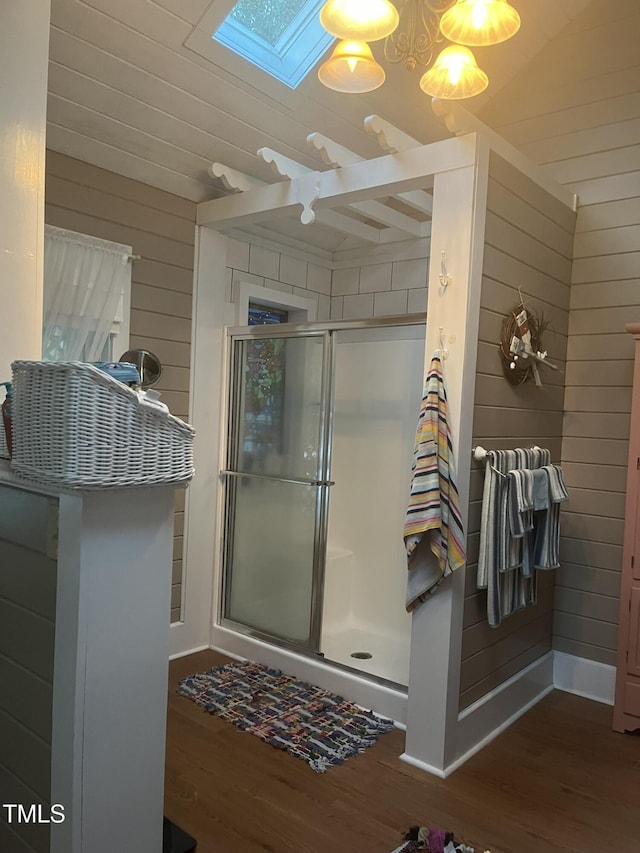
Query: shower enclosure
(320, 432)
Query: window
(86, 297)
(282, 37)
(262, 315)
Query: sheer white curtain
(84, 282)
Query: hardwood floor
(559, 779)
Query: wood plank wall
(27, 627)
(528, 243)
(161, 228)
(576, 110)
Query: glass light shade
(455, 74)
(480, 22)
(359, 20)
(351, 68)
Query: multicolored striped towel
(434, 503)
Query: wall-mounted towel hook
(445, 278)
(444, 352)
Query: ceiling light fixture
(351, 68)
(480, 22)
(359, 20)
(411, 35)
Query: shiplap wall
(27, 629)
(161, 228)
(576, 110)
(528, 244)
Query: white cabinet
(85, 584)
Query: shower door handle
(277, 479)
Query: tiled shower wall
(377, 290)
(349, 293)
(249, 263)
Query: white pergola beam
(460, 121)
(285, 167)
(387, 175)
(335, 155)
(239, 182)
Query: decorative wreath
(521, 348)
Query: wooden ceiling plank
(156, 123)
(188, 10)
(127, 138)
(99, 153)
(213, 92)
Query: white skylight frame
(295, 53)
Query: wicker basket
(79, 427)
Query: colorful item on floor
(432, 840)
(308, 722)
(434, 503)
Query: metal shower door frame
(322, 483)
(327, 330)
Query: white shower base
(389, 654)
(383, 699)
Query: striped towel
(557, 487)
(546, 549)
(520, 501)
(505, 559)
(434, 503)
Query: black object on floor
(176, 840)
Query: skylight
(282, 37)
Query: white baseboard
(483, 721)
(421, 765)
(588, 678)
(189, 652)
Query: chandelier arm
(414, 40)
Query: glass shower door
(276, 486)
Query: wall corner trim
(421, 765)
(582, 677)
